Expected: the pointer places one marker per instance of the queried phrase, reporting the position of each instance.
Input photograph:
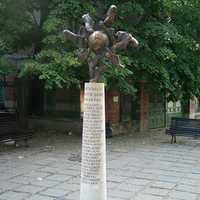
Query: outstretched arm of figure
(110, 16)
(89, 23)
(114, 59)
(123, 39)
(77, 39)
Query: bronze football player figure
(99, 41)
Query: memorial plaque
(93, 169)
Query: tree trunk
(185, 107)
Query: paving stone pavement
(139, 167)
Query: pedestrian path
(139, 167)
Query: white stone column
(93, 169)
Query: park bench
(10, 130)
(183, 127)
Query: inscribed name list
(93, 134)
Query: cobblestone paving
(139, 167)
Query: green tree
(21, 28)
(21, 24)
(169, 55)
(66, 70)
(168, 32)
(56, 63)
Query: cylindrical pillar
(93, 169)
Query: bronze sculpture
(99, 41)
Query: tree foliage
(168, 32)
(169, 55)
(56, 63)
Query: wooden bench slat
(176, 133)
(185, 130)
